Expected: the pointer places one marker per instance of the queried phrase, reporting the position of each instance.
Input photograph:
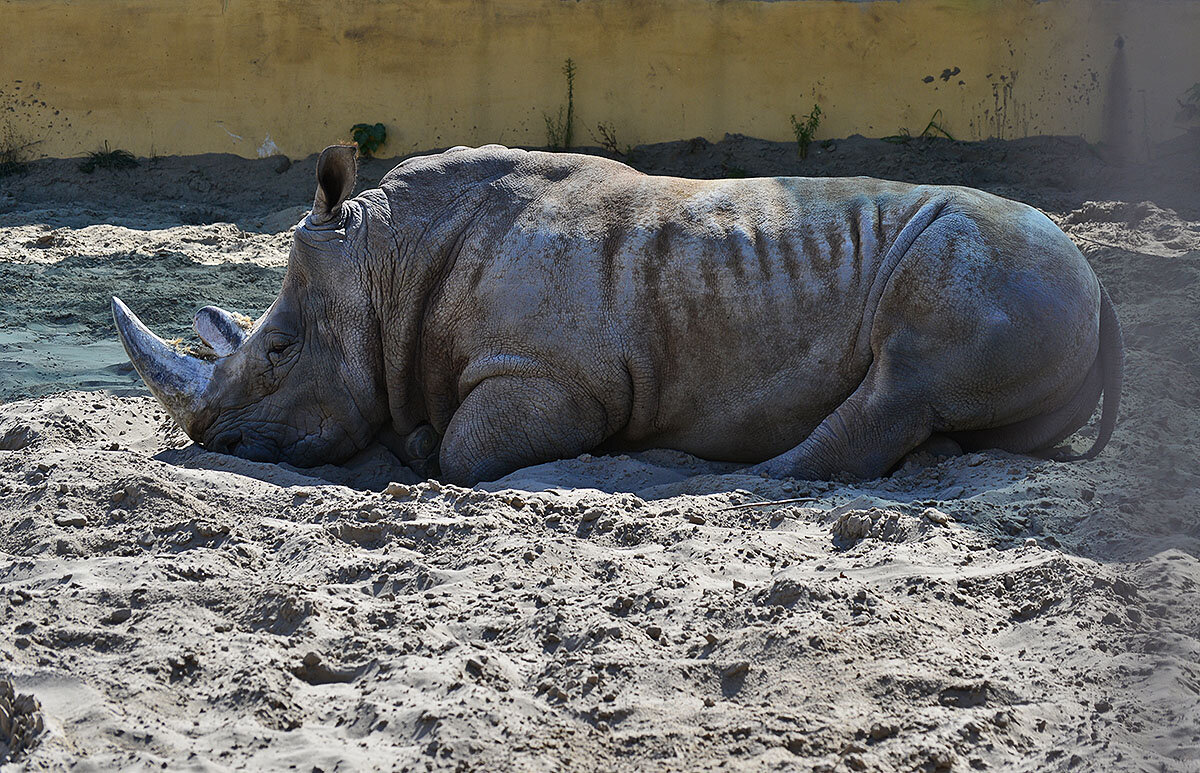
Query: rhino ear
(219, 329)
(336, 171)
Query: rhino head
(303, 384)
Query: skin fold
(530, 306)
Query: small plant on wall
(560, 129)
(370, 137)
(805, 130)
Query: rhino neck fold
(435, 220)
(408, 282)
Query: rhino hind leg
(1042, 432)
(863, 438)
(509, 422)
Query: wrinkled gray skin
(534, 306)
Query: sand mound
(165, 602)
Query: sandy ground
(169, 607)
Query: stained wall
(255, 77)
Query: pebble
(880, 731)
(936, 516)
(734, 670)
(398, 491)
(118, 615)
(71, 519)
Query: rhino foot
(419, 450)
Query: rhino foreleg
(418, 450)
(864, 437)
(510, 422)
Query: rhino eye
(277, 348)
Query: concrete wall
(258, 76)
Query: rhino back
(717, 317)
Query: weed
(805, 130)
(1189, 106)
(932, 130)
(12, 152)
(560, 130)
(369, 137)
(107, 158)
(607, 138)
(608, 141)
(733, 171)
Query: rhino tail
(1112, 364)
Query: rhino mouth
(236, 442)
(231, 433)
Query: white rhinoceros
(533, 306)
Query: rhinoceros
(533, 306)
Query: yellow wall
(192, 76)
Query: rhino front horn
(179, 381)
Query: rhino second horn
(178, 380)
(217, 328)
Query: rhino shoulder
(462, 165)
(454, 167)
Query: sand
(164, 606)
